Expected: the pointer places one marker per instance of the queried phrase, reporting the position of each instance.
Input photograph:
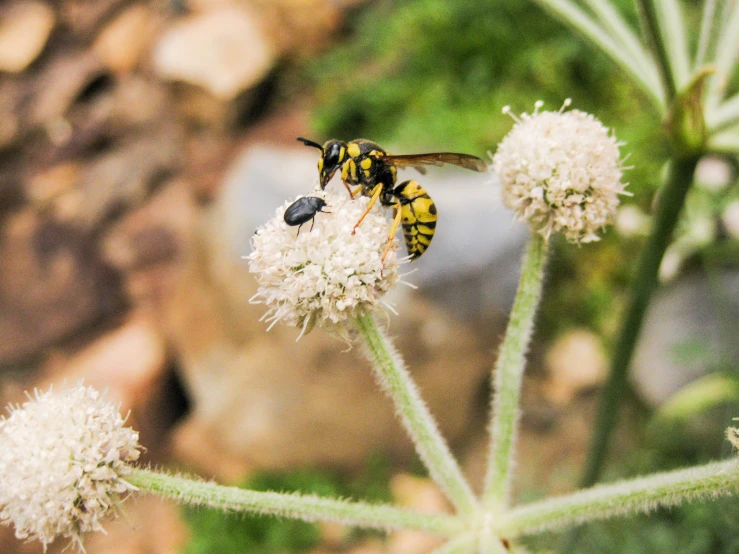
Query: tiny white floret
(560, 172)
(326, 275)
(63, 458)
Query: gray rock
(689, 331)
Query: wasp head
(333, 156)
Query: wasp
(303, 210)
(374, 172)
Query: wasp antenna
(309, 142)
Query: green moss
(213, 531)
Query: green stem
(508, 374)
(650, 23)
(639, 495)
(395, 380)
(670, 202)
(570, 14)
(306, 507)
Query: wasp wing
(417, 161)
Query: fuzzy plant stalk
(641, 495)
(394, 378)
(297, 506)
(508, 374)
(561, 173)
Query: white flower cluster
(62, 461)
(560, 172)
(328, 274)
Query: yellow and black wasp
(366, 165)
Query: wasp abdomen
(417, 215)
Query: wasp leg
(346, 186)
(393, 229)
(375, 195)
(354, 192)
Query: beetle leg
(393, 229)
(375, 195)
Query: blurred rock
(224, 51)
(52, 284)
(130, 363)
(421, 495)
(149, 245)
(689, 331)
(50, 183)
(24, 29)
(575, 363)
(151, 525)
(84, 17)
(121, 178)
(124, 41)
(11, 93)
(59, 85)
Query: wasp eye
(332, 154)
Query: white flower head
(560, 172)
(62, 461)
(324, 275)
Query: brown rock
(83, 17)
(52, 182)
(130, 362)
(51, 285)
(150, 245)
(24, 29)
(576, 362)
(11, 92)
(124, 41)
(60, 84)
(422, 495)
(121, 178)
(150, 525)
(224, 51)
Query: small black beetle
(303, 210)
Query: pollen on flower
(324, 275)
(63, 457)
(560, 172)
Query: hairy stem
(395, 380)
(670, 202)
(508, 374)
(306, 507)
(639, 495)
